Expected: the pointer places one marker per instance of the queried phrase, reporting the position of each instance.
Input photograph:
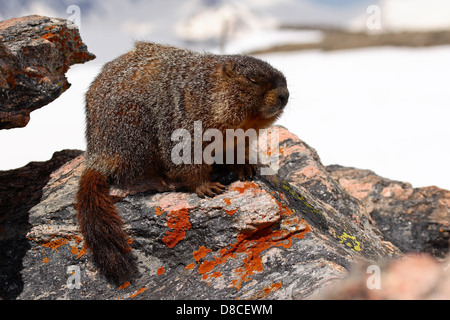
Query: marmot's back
(135, 104)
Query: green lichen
(297, 196)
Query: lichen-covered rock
(293, 235)
(35, 52)
(345, 216)
(261, 239)
(253, 241)
(20, 190)
(413, 219)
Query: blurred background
(368, 79)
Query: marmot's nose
(283, 96)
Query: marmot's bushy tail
(101, 227)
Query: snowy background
(385, 109)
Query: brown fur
(133, 107)
(101, 227)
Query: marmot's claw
(251, 169)
(244, 171)
(209, 189)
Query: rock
(20, 190)
(261, 239)
(36, 53)
(413, 277)
(413, 219)
(346, 217)
(293, 235)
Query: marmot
(132, 108)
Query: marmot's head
(256, 87)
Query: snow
(383, 109)
(57, 126)
(400, 15)
(408, 15)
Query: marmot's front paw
(244, 171)
(209, 189)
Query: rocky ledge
(294, 235)
(36, 52)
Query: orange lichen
(264, 292)
(273, 287)
(78, 253)
(247, 185)
(200, 253)
(160, 271)
(82, 252)
(67, 42)
(138, 291)
(178, 221)
(216, 274)
(45, 260)
(190, 266)
(252, 244)
(231, 212)
(255, 243)
(284, 210)
(125, 285)
(227, 201)
(224, 255)
(50, 37)
(54, 244)
(77, 239)
(159, 211)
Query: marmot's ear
(228, 69)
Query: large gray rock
(413, 219)
(294, 235)
(35, 52)
(20, 190)
(261, 239)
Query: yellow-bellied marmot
(132, 108)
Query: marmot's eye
(252, 80)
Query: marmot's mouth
(277, 98)
(273, 112)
